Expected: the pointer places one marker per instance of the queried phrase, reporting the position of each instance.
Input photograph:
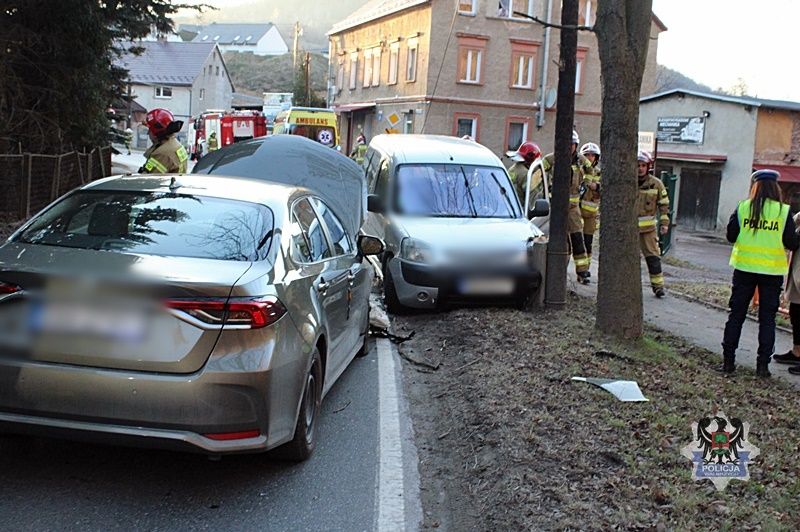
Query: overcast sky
(717, 41)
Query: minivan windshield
(151, 223)
(455, 191)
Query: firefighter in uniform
(760, 229)
(523, 158)
(359, 153)
(652, 205)
(213, 144)
(574, 219)
(128, 139)
(166, 155)
(590, 199)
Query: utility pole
(295, 47)
(558, 247)
(308, 78)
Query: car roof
(234, 188)
(440, 149)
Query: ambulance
(314, 123)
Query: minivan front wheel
(393, 305)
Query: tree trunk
(557, 248)
(623, 31)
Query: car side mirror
(370, 245)
(375, 204)
(541, 207)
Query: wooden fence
(29, 182)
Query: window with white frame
(340, 75)
(367, 68)
(394, 56)
(469, 65)
(202, 94)
(467, 7)
(586, 13)
(164, 92)
(411, 60)
(507, 8)
(376, 67)
(523, 71)
(353, 70)
(466, 125)
(517, 134)
(580, 67)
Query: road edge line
(391, 477)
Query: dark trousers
(794, 316)
(769, 293)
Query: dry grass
(515, 445)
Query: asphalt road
(57, 485)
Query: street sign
(647, 141)
(394, 119)
(681, 129)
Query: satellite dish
(550, 98)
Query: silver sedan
(192, 312)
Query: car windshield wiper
(469, 192)
(504, 192)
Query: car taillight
(251, 314)
(228, 436)
(7, 288)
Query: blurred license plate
(112, 323)
(487, 287)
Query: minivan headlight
(416, 251)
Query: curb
(693, 299)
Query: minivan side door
(379, 186)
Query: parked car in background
(197, 312)
(453, 226)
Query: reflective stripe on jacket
(759, 246)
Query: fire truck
(227, 127)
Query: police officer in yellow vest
(652, 206)
(166, 155)
(760, 229)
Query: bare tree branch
(551, 25)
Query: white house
(187, 78)
(260, 39)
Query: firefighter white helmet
(590, 147)
(575, 138)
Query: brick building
(469, 67)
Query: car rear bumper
(244, 387)
(423, 286)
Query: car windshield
(455, 190)
(177, 225)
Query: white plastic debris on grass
(627, 391)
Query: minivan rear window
(454, 190)
(177, 225)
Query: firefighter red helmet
(527, 151)
(158, 120)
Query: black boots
(728, 366)
(762, 369)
